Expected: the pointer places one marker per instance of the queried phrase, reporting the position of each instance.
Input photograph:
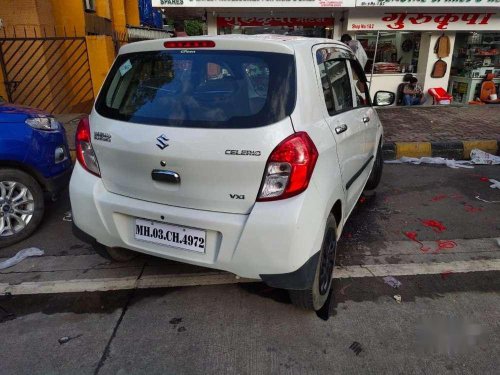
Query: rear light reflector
(190, 44)
(84, 151)
(289, 168)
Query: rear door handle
(165, 176)
(341, 129)
(366, 119)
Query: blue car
(35, 165)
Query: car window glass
(217, 89)
(362, 97)
(336, 85)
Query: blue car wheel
(21, 206)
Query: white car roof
(262, 43)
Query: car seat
(488, 89)
(401, 86)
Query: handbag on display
(442, 47)
(439, 69)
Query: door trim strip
(358, 173)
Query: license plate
(170, 235)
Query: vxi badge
(162, 142)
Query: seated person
(413, 93)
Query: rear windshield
(206, 89)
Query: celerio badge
(162, 142)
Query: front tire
(21, 206)
(315, 297)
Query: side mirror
(384, 98)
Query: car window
(362, 97)
(336, 85)
(219, 89)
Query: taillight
(190, 44)
(289, 168)
(84, 150)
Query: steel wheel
(317, 294)
(16, 207)
(327, 262)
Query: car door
(363, 109)
(347, 129)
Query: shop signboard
(253, 3)
(274, 21)
(423, 20)
(427, 3)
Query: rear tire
(315, 297)
(116, 254)
(376, 174)
(21, 206)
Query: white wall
(430, 82)
(384, 82)
(211, 23)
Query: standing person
(356, 47)
(413, 93)
(180, 29)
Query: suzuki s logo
(162, 142)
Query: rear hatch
(193, 127)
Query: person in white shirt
(357, 48)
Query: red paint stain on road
(413, 237)
(445, 245)
(438, 198)
(470, 208)
(436, 226)
(485, 179)
(446, 274)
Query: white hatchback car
(245, 154)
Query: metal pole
(374, 60)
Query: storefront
(436, 45)
(399, 36)
(311, 18)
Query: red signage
(274, 21)
(441, 19)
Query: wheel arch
(337, 214)
(24, 168)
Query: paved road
(446, 323)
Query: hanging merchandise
(439, 69)
(442, 47)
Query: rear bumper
(54, 185)
(277, 242)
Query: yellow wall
(103, 9)
(69, 15)
(3, 89)
(118, 15)
(132, 11)
(101, 55)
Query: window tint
(359, 80)
(221, 89)
(336, 85)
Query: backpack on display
(439, 69)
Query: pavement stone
(440, 123)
